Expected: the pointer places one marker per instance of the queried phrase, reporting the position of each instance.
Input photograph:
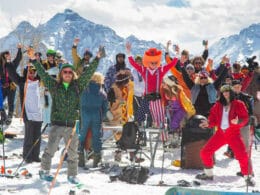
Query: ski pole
(27, 155)
(249, 163)
(76, 126)
(164, 132)
(24, 96)
(3, 143)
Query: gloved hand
(251, 63)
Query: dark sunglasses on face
(31, 71)
(203, 77)
(189, 68)
(197, 63)
(67, 72)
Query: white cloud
(149, 20)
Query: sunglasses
(197, 62)
(203, 77)
(189, 68)
(49, 55)
(67, 72)
(31, 71)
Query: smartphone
(174, 47)
(204, 42)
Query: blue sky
(185, 22)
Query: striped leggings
(157, 112)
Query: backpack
(134, 175)
(129, 138)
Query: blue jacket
(211, 91)
(94, 101)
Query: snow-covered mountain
(59, 32)
(238, 47)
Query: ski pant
(93, 122)
(233, 138)
(157, 112)
(55, 135)
(10, 94)
(245, 134)
(141, 108)
(32, 133)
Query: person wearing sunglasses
(32, 110)
(8, 86)
(65, 93)
(228, 115)
(204, 90)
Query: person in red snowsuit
(228, 115)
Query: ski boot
(45, 175)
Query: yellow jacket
(76, 61)
(187, 104)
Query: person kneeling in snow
(229, 115)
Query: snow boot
(207, 175)
(249, 180)
(81, 154)
(97, 159)
(118, 155)
(73, 180)
(45, 175)
(81, 162)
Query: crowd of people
(136, 88)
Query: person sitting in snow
(152, 73)
(65, 93)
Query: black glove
(251, 63)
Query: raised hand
(101, 52)
(128, 47)
(76, 41)
(177, 49)
(30, 53)
(225, 59)
(19, 45)
(168, 45)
